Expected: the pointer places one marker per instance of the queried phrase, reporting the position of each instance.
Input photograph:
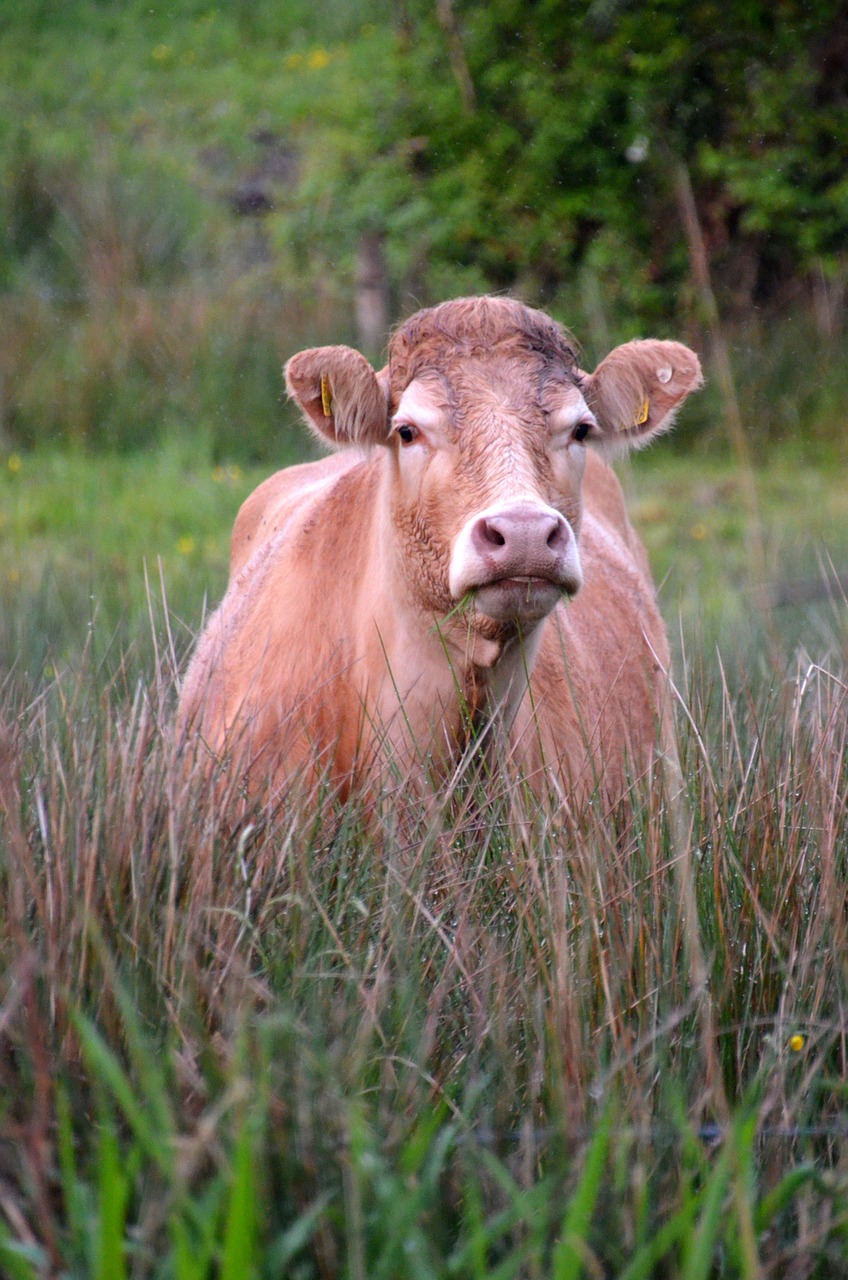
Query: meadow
(476, 1043)
(492, 1047)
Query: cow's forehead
(433, 400)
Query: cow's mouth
(523, 598)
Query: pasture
(480, 1045)
(486, 1048)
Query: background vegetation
(189, 193)
(264, 1044)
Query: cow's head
(485, 418)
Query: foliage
(519, 146)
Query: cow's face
(486, 419)
(488, 459)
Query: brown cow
(464, 541)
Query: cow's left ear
(636, 391)
(344, 399)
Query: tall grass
(142, 367)
(474, 1042)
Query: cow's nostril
(493, 535)
(557, 535)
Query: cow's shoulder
(598, 684)
(602, 493)
(603, 501)
(613, 626)
(271, 506)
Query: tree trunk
(372, 293)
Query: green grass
(87, 542)
(235, 1043)
(690, 512)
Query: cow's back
(267, 510)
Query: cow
(462, 563)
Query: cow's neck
(497, 681)
(490, 666)
(510, 676)
(461, 672)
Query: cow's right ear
(344, 400)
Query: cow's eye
(407, 432)
(581, 431)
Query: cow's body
(385, 599)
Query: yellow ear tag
(643, 414)
(326, 397)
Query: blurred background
(189, 194)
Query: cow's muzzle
(518, 561)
